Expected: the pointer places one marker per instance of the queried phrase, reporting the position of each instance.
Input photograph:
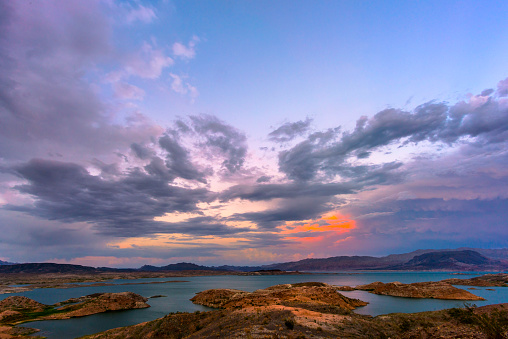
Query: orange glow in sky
(333, 222)
(320, 231)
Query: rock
(306, 294)
(7, 316)
(20, 303)
(345, 288)
(217, 298)
(487, 280)
(101, 302)
(434, 290)
(17, 309)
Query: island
(310, 310)
(429, 289)
(15, 310)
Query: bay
(178, 295)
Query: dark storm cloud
(141, 151)
(290, 130)
(301, 208)
(120, 207)
(263, 178)
(178, 161)
(483, 118)
(300, 162)
(223, 139)
(203, 226)
(265, 192)
(106, 169)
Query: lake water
(179, 293)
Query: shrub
(405, 325)
(290, 324)
(494, 325)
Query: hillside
(465, 260)
(35, 268)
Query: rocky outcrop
(304, 295)
(19, 303)
(17, 309)
(99, 303)
(433, 290)
(345, 288)
(487, 280)
(279, 321)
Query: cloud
(178, 162)
(295, 209)
(222, 139)
(186, 52)
(141, 151)
(204, 226)
(121, 206)
(182, 87)
(263, 178)
(124, 90)
(46, 103)
(289, 131)
(121, 178)
(141, 13)
(148, 63)
(265, 192)
(482, 119)
(502, 88)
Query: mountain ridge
(461, 259)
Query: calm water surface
(178, 295)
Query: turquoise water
(179, 293)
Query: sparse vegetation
(290, 324)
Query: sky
(250, 132)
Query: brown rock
(487, 280)
(20, 303)
(303, 294)
(9, 315)
(434, 290)
(345, 288)
(101, 302)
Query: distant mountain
(500, 254)
(2, 263)
(342, 263)
(462, 259)
(38, 268)
(428, 259)
(465, 260)
(456, 259)
(182, 266)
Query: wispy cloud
(141, 13)
(186, 52)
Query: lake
(179, 293)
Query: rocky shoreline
(302, 310)
(16, 310)
(310, 310)
(431, 290)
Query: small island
(16, 310)
(429, 289)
